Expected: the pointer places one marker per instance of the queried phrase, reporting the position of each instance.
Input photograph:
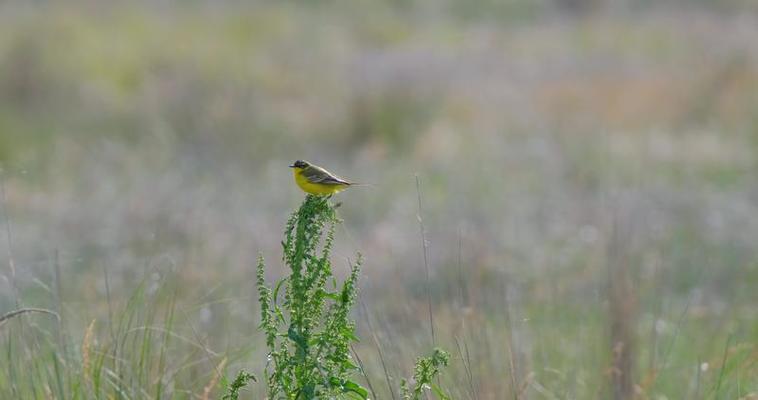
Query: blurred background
(588, 180)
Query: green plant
(239, 382)
(424, 372)
(308, 330)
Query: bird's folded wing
(322, 176)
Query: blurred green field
(589, 185)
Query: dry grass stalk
(214, 381)
(86, 347)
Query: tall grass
(143, 357)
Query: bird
(315, 180)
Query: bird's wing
(319, 175)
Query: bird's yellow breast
(318, 189)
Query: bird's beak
(292, 166)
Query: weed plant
(239, 382)
(306, 318)
(424, 372)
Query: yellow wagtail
(316, 180)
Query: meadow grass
(139, 352)
(589, 194)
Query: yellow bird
(316, 180)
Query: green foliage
(308, 332)
(239, 382)
(426, 369)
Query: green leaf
(352, 387)
(333, 295)
(349, 365)
(299, 340)
(349, 387)
(276, 289)
(279, 314)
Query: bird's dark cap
(299, 164)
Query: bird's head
(300, 164)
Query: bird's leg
(335, 205)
